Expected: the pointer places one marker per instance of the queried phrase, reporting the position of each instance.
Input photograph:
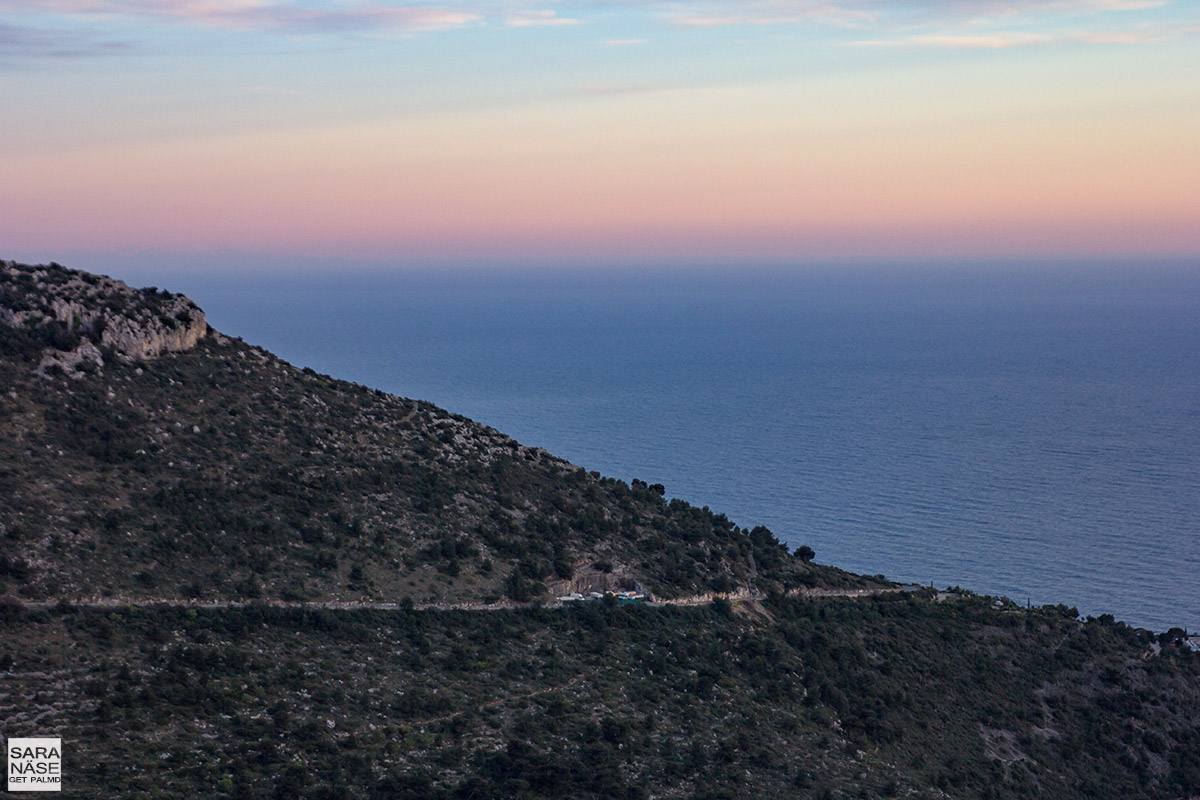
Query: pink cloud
(408, 15)
(772, 12)
(1007, 7)
(1006, 40)
(540, 18)
(265, 15)
(866, 13)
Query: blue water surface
(1027, 430)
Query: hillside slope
(894, 696)
(144, 455)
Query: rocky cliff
(81, 316)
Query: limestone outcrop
(81, 316)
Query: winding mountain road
(504, 605)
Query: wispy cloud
(726, 20)
(1012, 7)
(539, 18)
(314, 17)
(1000, 41)
(769, 12)
(281, 17)
(356, 20)
(19, 44)
(981, 9)
(624, 42)
(880, 13)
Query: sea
(1028, 430)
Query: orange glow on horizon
(800, 169)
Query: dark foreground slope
(144, 455)
(896, 696)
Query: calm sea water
(1023, 430)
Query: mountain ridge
(176, 462)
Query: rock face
(80, 315)
(177, 327)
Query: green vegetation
(223, 474)
(900, 696)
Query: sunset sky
(600, 130)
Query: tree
(805, 553)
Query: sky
(446, 131)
